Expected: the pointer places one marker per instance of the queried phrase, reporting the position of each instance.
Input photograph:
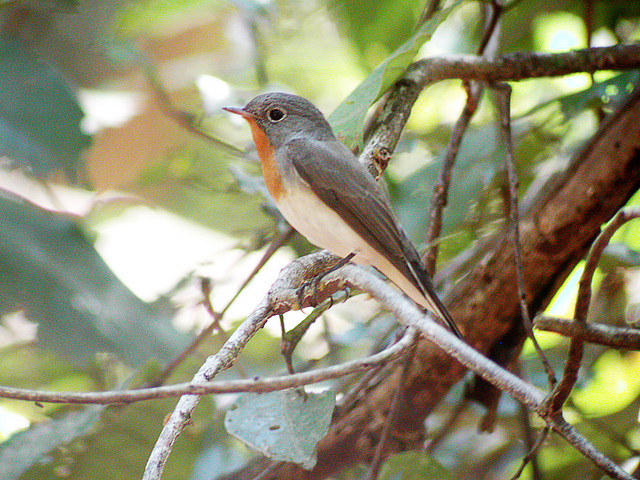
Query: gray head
(283, 116)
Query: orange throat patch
(266, 153)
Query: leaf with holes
(285, 426)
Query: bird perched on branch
(328, 196)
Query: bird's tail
(434, 303)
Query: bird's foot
(314, 282)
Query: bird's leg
(315, 281)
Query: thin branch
(285, 286)
(496, 13)
(181, 414)
(282, 295)
(524, 65)
(406, 312)
(576, 347)
(217, 316)
(255, 385)
(291, 338)
(359, 389)
(509, 67)
(389, 125)
(441, 188)
(504, 105)
(530, 457)
(609, 188)
(528, 432)
(273, 247)
(586, 448)
(625, 338)
(376, 463)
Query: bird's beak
(239, 111)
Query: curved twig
(576, 348)
(626, 338)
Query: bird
(328, 196)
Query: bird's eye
(276, 114)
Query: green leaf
(347, 119)
(413, 465)
(50, 271)
(118, 445)
(25, 448)
(39, 115)
(285, 426)
(611, 91)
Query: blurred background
(123, 184)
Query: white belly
(320, 224)
(326, 229)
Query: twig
(358, 389)
(282, 295)
(496, 13)
(523, 65)
(285, 287)
(291, 338)
(625, 338)
(277, 242)
(407, 313)
(530, 457)
(277, 300)
(389, 125)
(378, 456)
(504, 106)
(441, 188)
(586, 448)
(576, 347)
(217, 316)
(256, 385)
(181, 414)
(513, 66)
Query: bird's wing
(342, 183)
(335, 175)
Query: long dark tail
(423, 282)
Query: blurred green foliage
(94, 333)
(42, 136)
(50, 270)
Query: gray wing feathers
(345, 186)
(348, 189)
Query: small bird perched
(328, 196)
